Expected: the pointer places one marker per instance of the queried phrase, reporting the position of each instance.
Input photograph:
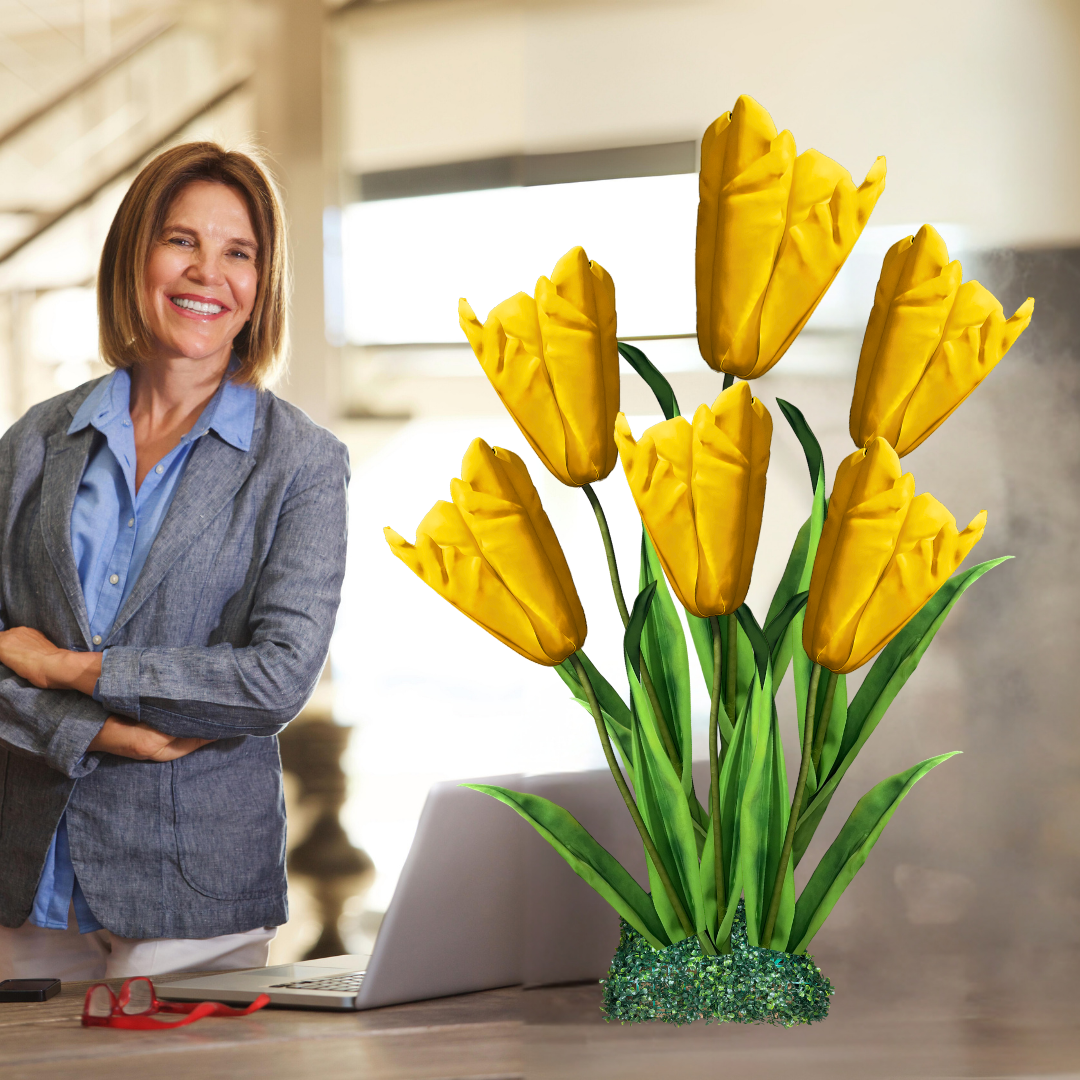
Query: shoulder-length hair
(124, 333)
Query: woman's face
(201, 274)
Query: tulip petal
(509, 350)
(916, 292)
(553, 360)
(883, 553)
(658, 470)
(823, 224)
(500, 508)
(700, 490)
(576, 314)
(928, 344)
(446, 558)
(773, 230)
(970, 349)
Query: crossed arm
(34, 658)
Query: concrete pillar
(290, 119)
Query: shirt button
(131, 523)
(96, 639)
(160, 469)
(114, 579)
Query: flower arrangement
(872, 574)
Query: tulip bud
(884, 552)
(773, 230)
(929, 342)
(554, 361)
(700, 491)
(493, 554)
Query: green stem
(823, 724)
(620, 600)
(796, 807)
(732, 667)
(624, 791)
(729, 379)
(714, 774)
(609, 549)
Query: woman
(173, 544)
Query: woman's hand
(126, 738)
(33, 657)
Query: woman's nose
(206, 269)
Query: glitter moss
(679, 984)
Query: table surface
(554, 1032)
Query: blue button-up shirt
(112, 529)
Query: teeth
(194, 305)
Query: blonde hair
(124, 333)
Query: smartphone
(28, 989)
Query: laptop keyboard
(349, 983)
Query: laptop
(482, 902)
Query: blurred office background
(431, 149)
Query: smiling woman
(172, 543)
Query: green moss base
(679, 984)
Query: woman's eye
(241, 254)
(179, 240)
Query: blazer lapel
(214, 474)
(65, 462)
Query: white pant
(33, 953)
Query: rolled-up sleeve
(57, 725)
(220, 691)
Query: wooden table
(554, 1033)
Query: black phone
(28, 989)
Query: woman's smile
(199, 307)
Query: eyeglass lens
(140, 997)
(101, 1002)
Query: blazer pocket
(229, 814)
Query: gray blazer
(222, 637)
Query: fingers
(178, 748)
(140, 742)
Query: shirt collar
(230, 412)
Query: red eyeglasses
(137, 1004)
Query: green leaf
(636, 625)
(615, 711)
(664, 809)
(776, 626)
(891, 670)
(660, 387)
(762, 808)
(758, 642)
(587, 858)
(815, 459)
(848, 852)
(785, 591)
(663, 645)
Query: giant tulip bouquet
(872, 573)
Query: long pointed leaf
(636, 626)
(656, 382)
(891, 670)
(587, 858)
(663, 646)
(758, 642)
(849, 850)
(664, 808)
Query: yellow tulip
(773, 230)
(493, 554)
(884, 552)
(554, 361)
(929, 342)
(700, 490)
